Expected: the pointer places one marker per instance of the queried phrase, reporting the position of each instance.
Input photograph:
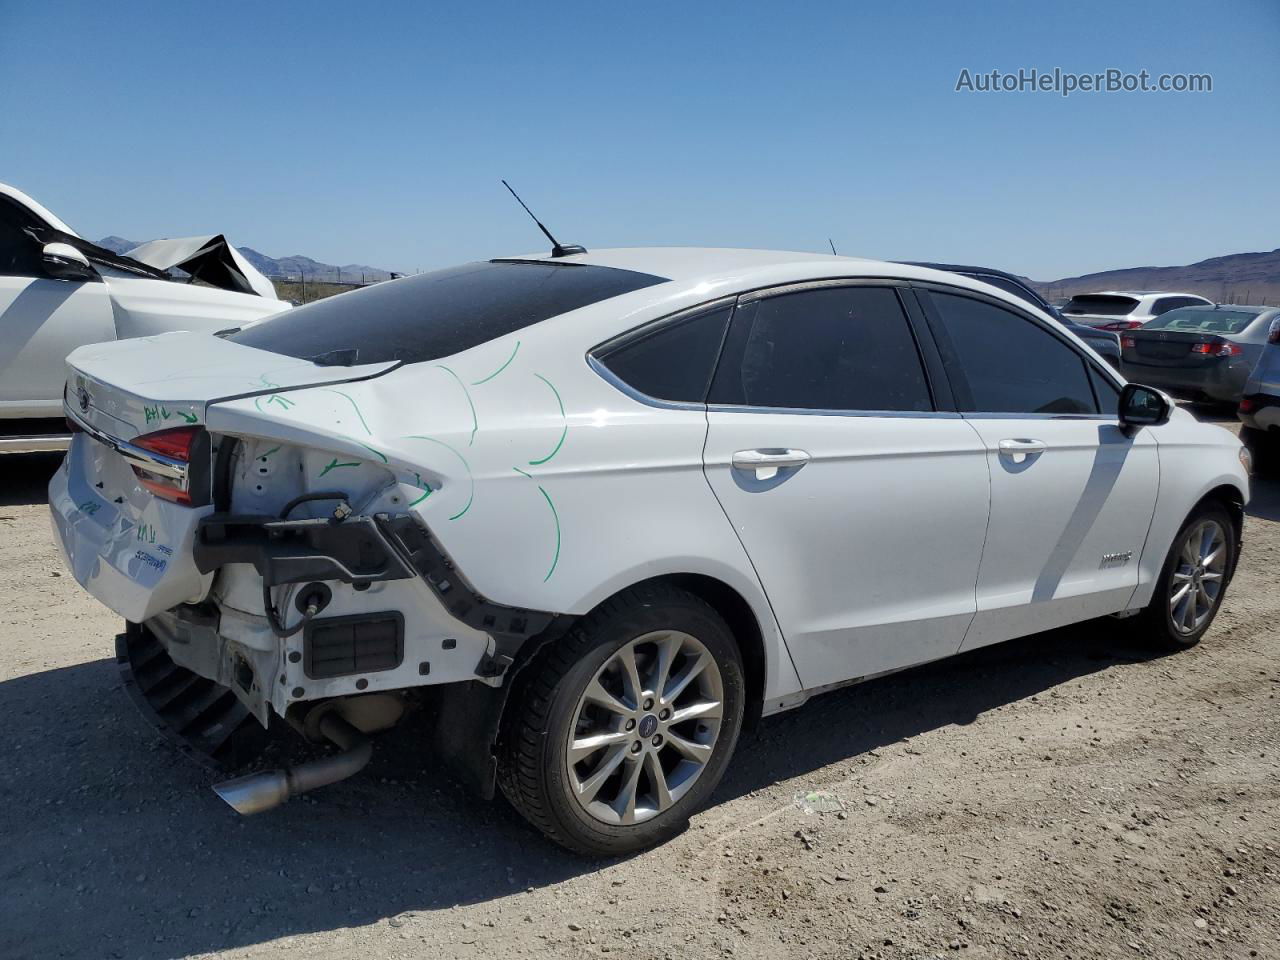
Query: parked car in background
(59, 291)
(595, 511)
(1198, 353)
(1259, 409)
(1106, 345)
(1121, 310)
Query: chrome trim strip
(804, 411)
(136, 456)
(35, 443)
(623, 387)
(782, 289)
(979, 415)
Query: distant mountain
(1236, 278)
(117, 244)
(282, 267)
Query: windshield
(1203, 320)
(1100, 305)
(434, 315)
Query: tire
(562, 693)
(1264, 446)
(1173, 626)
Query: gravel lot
(1066, 795)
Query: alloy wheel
(645, 728)
(1196, 584)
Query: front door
(1072, 495)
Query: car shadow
(24, 477)
(99, 811)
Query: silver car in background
(1121, 310)
(1198, 353)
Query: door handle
(767, 463)
(1019, 449)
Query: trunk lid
(128, 546)
(1164, 348)
(128, 388)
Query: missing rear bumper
(360, 550)
(204, 719)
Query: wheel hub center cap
(648, 725)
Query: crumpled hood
(211, 259)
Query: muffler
(262, 791)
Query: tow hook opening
(259, 792)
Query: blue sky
(377, 133)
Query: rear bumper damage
(368, 668)
(360, 552)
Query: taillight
(170, 479)
(1247, 405)
(1116, 326)
(1273, 335)
(1217, 349)
(1128, 343)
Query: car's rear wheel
(1193, 580)
(619, 731)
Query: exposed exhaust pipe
(262, 791)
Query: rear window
(1099, 305)
(434, 315)
(1200, 320)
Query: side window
(675, 361)
(1108, 393)
(1008, 364)
(1165, 304)
(831, 348)
(19, 253)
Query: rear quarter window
(437, 314)
(673, 361)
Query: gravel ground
(1066, 795)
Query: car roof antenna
(557, 249)
(833, 247)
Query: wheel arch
(743, 625)
(1232, 499)
(468, 717)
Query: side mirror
(1143, 407)
(64, 262)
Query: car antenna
(557, 249)
(833, 247)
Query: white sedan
(596, 511)
(59, 292)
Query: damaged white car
(59, 291)
(594, 512)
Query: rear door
(1071, 495)
(861, 504)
